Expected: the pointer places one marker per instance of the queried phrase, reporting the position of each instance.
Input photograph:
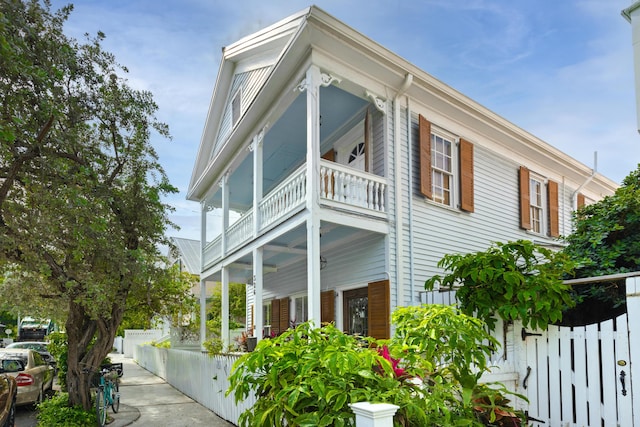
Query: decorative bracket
(327, 79)
(378, 102)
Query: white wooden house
(333, 175)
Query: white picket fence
(202, 377)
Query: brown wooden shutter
(552, 199)
(327, 307)
(425, 157)
(581, 200)
(330, 155)
(466, 176)
(379, 310)
(275, 317)
(284, 314)
(525, 205)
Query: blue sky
(562, 70)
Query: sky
(560, 69)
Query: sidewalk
(147, 400)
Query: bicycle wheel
(101, 407)
(115, 396)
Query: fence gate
(579, 376)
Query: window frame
(453, 174)
(538, 225)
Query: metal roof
(188, 253)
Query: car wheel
(39, 399)
(11, 419)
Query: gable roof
(286, 49)
(188, 253)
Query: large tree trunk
(84, 359)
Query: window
(301, 315)
(538, 204)
(366, 310)
(446, 167)
(266, 312)
(441, 169)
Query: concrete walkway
(147, 400)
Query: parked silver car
(40, 347)
(33, 375)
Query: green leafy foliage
(514, 281)
(308, 376)
(56, 412)
(606, 236)
(82, 215)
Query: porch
(342, 190)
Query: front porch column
(313, 82)
(203, 289)
(256, 147)
(224, 186)
(225, 307)
(257, 299)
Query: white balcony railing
(284, 198)
(240, 231)
(340, 186)
(352, 187)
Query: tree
(81, 216)
(237, 307)
(606, 240)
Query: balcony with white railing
(341, 187)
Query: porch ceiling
(291, 248)
(285, 143)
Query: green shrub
(213, 346)
(57, 412)
(430, 368)
(58, 348)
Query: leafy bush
(515, 280)
(213, 346)
(430, 368)
(57, 412)
(58, 348)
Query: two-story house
(333, 175)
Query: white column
(313, 81)
(256, 147)
(203, 313)
(203, 286)
(633, 320)
(257, 287)
(225, 307)
(224, 184)
(374, 414)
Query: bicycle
(107, 391)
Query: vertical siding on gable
(250, 83)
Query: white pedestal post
(374, 414)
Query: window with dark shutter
(466, 176)
(525, 214)
(327, 307)
(581, 200)
(275, 317)
(425, 156)
(284, 314)
(552, 199)
(379, 310)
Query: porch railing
(290, 194)
(340, 186)
(351, 187)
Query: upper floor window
(538, 204)
(446, 167)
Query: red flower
(384, 352)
